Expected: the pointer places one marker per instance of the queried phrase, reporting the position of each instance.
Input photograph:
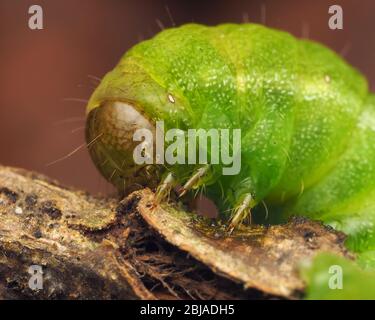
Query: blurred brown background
(42, 72)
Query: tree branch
(104, 248)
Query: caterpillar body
(306, 117)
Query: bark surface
(107, 248)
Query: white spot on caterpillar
(327, 78)
(171, 98)
(367, 121)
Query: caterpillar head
(127, 100)
(109, 134)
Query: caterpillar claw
(195, 178)
(242, 212)
(164, 188)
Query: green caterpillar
(307, 124)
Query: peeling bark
(104, 248)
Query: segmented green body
(307, 119)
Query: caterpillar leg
(164, 188)
(241, 212)
(195, 179)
